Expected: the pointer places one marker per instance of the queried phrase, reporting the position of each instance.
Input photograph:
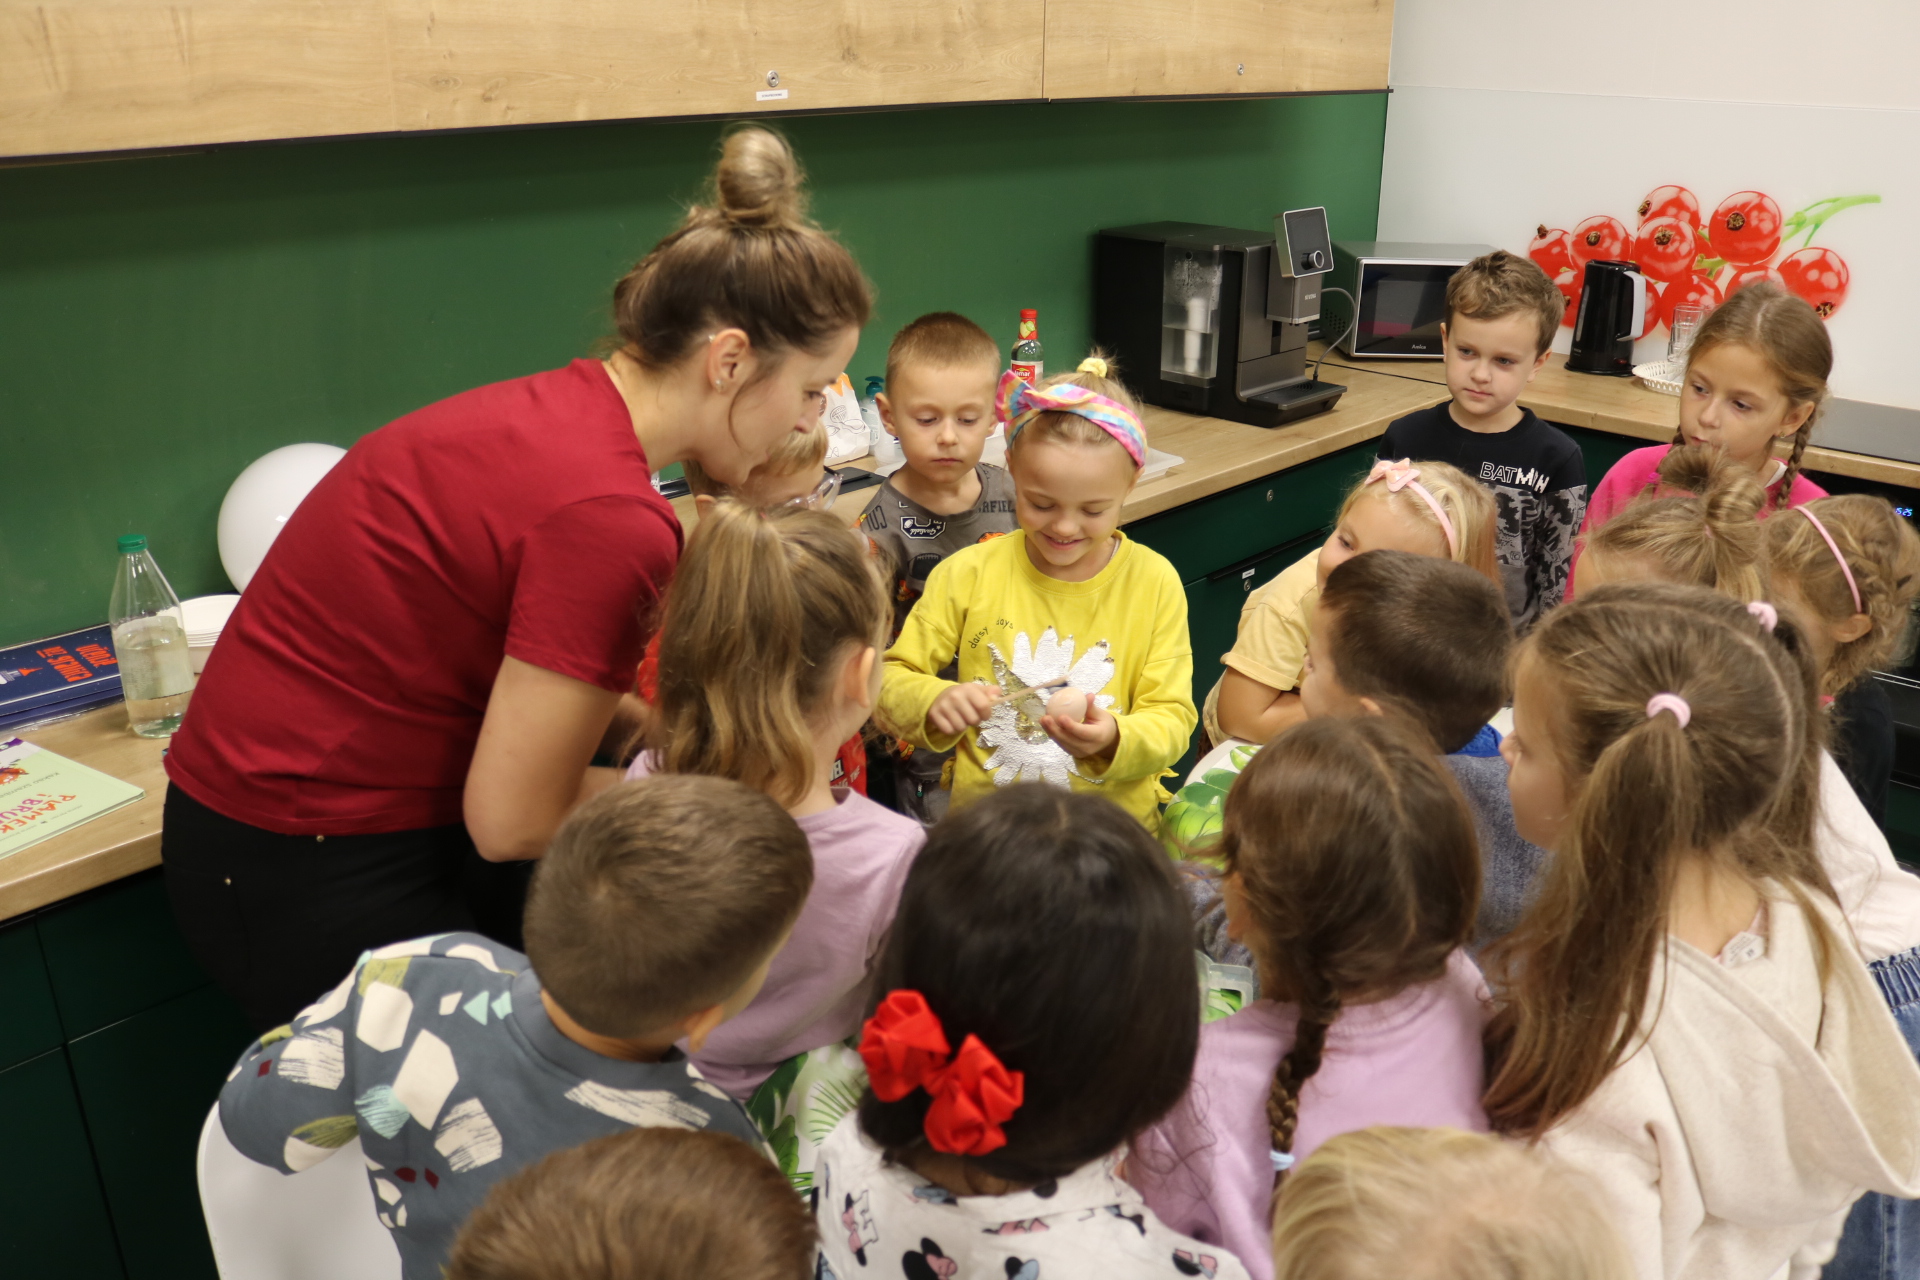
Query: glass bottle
(149, 642)
(1027, 364)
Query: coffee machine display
(1613, 302)
(1213, 321)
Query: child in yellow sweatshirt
(1071, 640)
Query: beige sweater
(1762, 1104)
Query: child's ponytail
(1684, 724)
(759, 613)
(1704, 533)
(1330, 929)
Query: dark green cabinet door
(114, 952)
(146, 1083)
(55, 1217)
(1213, 617)
(1229, 528)
(29, 1023)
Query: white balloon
(262, 498)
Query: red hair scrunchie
(905, 1048)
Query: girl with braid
(1353, 876)
(1756, 377)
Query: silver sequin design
(1018, 749)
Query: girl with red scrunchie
(1036, 1008)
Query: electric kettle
(1613, 303)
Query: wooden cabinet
(113, 1044)
(81, 75)
(1182, 48)
(460, 63)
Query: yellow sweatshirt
(1120, 637)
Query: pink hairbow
(1404, 475)
(1853, 588)
(1019, 403)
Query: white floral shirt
(883, 1220)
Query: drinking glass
(1685, 323)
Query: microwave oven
(1401, 291)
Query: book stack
(58, 677)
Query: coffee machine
(1213, 321)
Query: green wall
(163, 321)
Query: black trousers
(279, 920)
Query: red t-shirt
(347, 690)
(849, 764)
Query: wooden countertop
(111, 846)
(1624, 407)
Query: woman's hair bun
(1729, 494)
(758, 182)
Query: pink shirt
(816, 989)
(1628, 478)
(1413, 1059)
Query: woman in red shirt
(433, 649)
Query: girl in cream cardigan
(1686, 1015)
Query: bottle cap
(1029, 314)
(132, 542)
(875, 383)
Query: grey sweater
(1508, 864)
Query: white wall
(1507, 114)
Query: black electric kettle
(1613, 301)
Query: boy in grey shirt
(942, 374)
(456, 1061)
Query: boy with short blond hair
(455, 1060)
(1502, 314)
(942, 374)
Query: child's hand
(960, 707)
(1082, 739)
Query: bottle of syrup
(1027, 363)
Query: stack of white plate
(204, 617)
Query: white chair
(315, 1225)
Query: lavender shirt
(1413, 1059)
(817, 987)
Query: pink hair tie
(1852, 586)
(1404, 475)
(1670, 702)
(1765, 614)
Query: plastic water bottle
(156, 673)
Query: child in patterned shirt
(455, 1061)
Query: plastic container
(870, 413)
(150, 642)
(204, 617)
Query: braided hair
(1330, 929)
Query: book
(58, 676)
(42, 794)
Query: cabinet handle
(1269, 495)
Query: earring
(718, 384)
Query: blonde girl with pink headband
(1427, 508)
(1059, 653)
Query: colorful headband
(1019, 403)
(905, 1049)
(1670, 702)
(1404, 475)
(1765, 614)
(1852, 586)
